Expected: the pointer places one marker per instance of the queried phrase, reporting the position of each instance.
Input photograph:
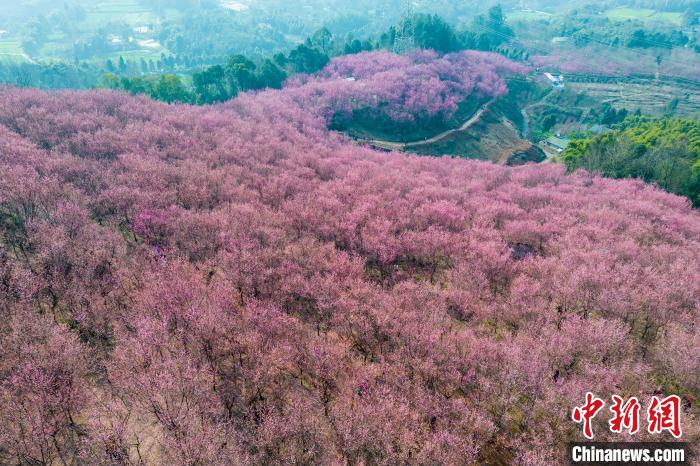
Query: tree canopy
(665, 151)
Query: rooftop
(599, 129)
(555, 141)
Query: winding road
(402, 146)
(23, 55)
(526, 117)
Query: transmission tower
(405, 34)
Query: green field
(10, 46)
(527, 15)
(129, 11)
(136, 54)
(11, 51)
(644, 14)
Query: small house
(559, 144)
(555, 81)
(599, 129)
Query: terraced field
(651, 97)
(11, 51)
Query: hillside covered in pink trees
(401, 93)
(403, 88)
(238, 285)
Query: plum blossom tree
(402, 88)
(237, 284)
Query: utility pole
(404, 41)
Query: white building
(557, 81)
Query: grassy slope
(644, 14)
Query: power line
(404, 41)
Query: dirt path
(526, 116)
(402, 146)
(23, 55)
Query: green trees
(690, 18)
(548, 122)
(122, 64)
(35, 33)
(491, 29)
(306, 59)
(486, 32)
(240, 72)
(609, 115)
(432, 32)
(655, 39)
(323, 40)
(356, 46)
(271, 75)
(217, 83)
(54, 75)
(167, 88)
(244, 75)
(210, 85)
(665, 151)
